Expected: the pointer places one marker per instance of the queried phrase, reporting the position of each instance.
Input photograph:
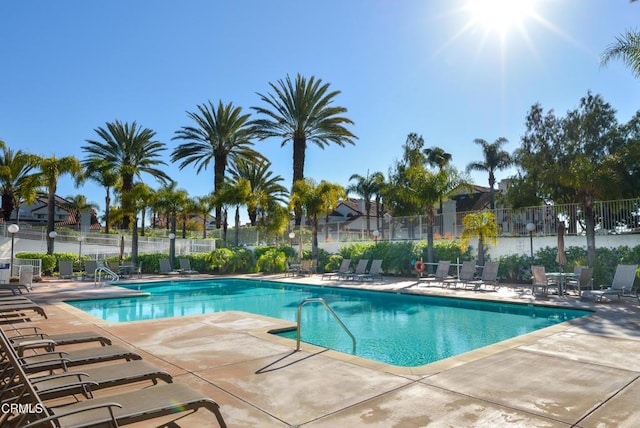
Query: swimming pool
(398, 329)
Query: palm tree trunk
(299, 148)
(107, 203)
(314, 243)
(590, 226)
(51, 213)
(237, 223)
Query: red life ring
(419, 266)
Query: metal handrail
(97, 277)
(335, 316)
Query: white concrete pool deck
(582, 373)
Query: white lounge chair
(621, 286)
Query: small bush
(272, 261)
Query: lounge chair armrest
(48, 344)
(85, 385)
(38, 379)
(47, 420)
(29, 336)
(35, 330)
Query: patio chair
(442, 273)
(166, 269)
(26, 276)
(90, 267)
(540, 281)
(114, 266)
(292, 268)
(374, 271)
(360, 269)
(65, 269)
(621, 286)
(489, 277)
(306, 267)
(185, 267)
(345, 265)
(583, 280)
(467, 274)
(118, 409)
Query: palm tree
(51, 169)
(265, 188)
(17, 178)
(315, 201)
(301, 112)
(627, 49)
(437, 157)
(79, 204)
(130, 151)
(221, 135)
(99, 171)
(481, 225)
(203, 206)
(494, 159)
(366, 187)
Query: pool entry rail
(335, 316)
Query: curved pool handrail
(335, 316)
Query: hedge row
(397, 259)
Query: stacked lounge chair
(115, 410)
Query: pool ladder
(335, 316)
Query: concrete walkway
(582, 373)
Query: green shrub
(272, 261)
(219, 259)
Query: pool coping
(284, 325)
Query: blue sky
(437, 68)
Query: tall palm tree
(17, 178)
(99, 171)
(437, 157)
(494, 159)
(51, 169)
(130, 151)
(221, 135)
(265, 188)
(315, 200)
(301, 112)
(366, 187)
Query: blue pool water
(397, 329)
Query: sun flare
(500, 15)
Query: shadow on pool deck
(580, 373)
